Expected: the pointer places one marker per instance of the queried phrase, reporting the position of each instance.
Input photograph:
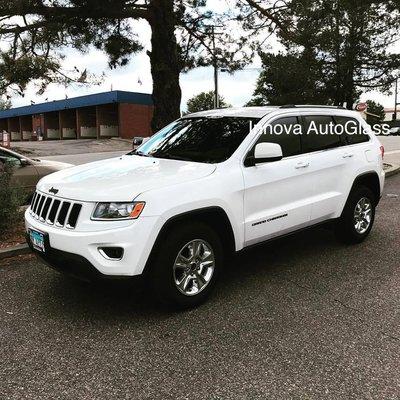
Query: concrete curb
(18, 250)
(393, 170)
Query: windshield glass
(208, 140)
(8, 158)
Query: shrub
(11, 198)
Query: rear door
(359, 150)
(278, 194)
(328, 165)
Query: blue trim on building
(91, 100)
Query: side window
(318, 134)
(353, 130)
(283, 132)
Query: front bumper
(78, 253)
(68, 263)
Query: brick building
(103, 115)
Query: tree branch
(272, 17)
(59, 12)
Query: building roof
(116, 96)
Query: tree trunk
(165, 64)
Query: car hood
(55, 165)
(122, 178)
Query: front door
(328, 164)
(278, 195)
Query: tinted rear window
(317, 134)
(354, 132)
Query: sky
(237, 89)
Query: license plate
(37, 240)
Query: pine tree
(349, 40)
(180, 40)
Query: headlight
(110, 211)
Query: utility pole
(215, 64)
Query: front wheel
(187, 265)
(358, 216)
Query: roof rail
(312, 106)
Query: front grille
(57, 212)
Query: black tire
(345, 227)
(161, 276)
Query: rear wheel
(187, 265)
(358, 216)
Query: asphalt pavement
(300, 318)
(74, 151)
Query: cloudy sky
(237, 89)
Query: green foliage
(119, 49)
(5, 104)
(36, 45)
(204, 101)
(19, 72)
(284, 80)
(35, 35)
(376, 109)
(350, 41)
(10, 198)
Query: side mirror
(265, 153)
(24, 162)
(137, 141)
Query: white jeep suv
(205, 186)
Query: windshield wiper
(138, 153)
(170, 156)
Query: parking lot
(300, 318)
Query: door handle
(302, 165)
(348, 155)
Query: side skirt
(328, 224)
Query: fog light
(112, 253)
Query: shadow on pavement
(131, 299)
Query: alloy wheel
(194, 267)
(363, 215)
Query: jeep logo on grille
(53, 190)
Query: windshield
(8, 158)
(207, 140)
